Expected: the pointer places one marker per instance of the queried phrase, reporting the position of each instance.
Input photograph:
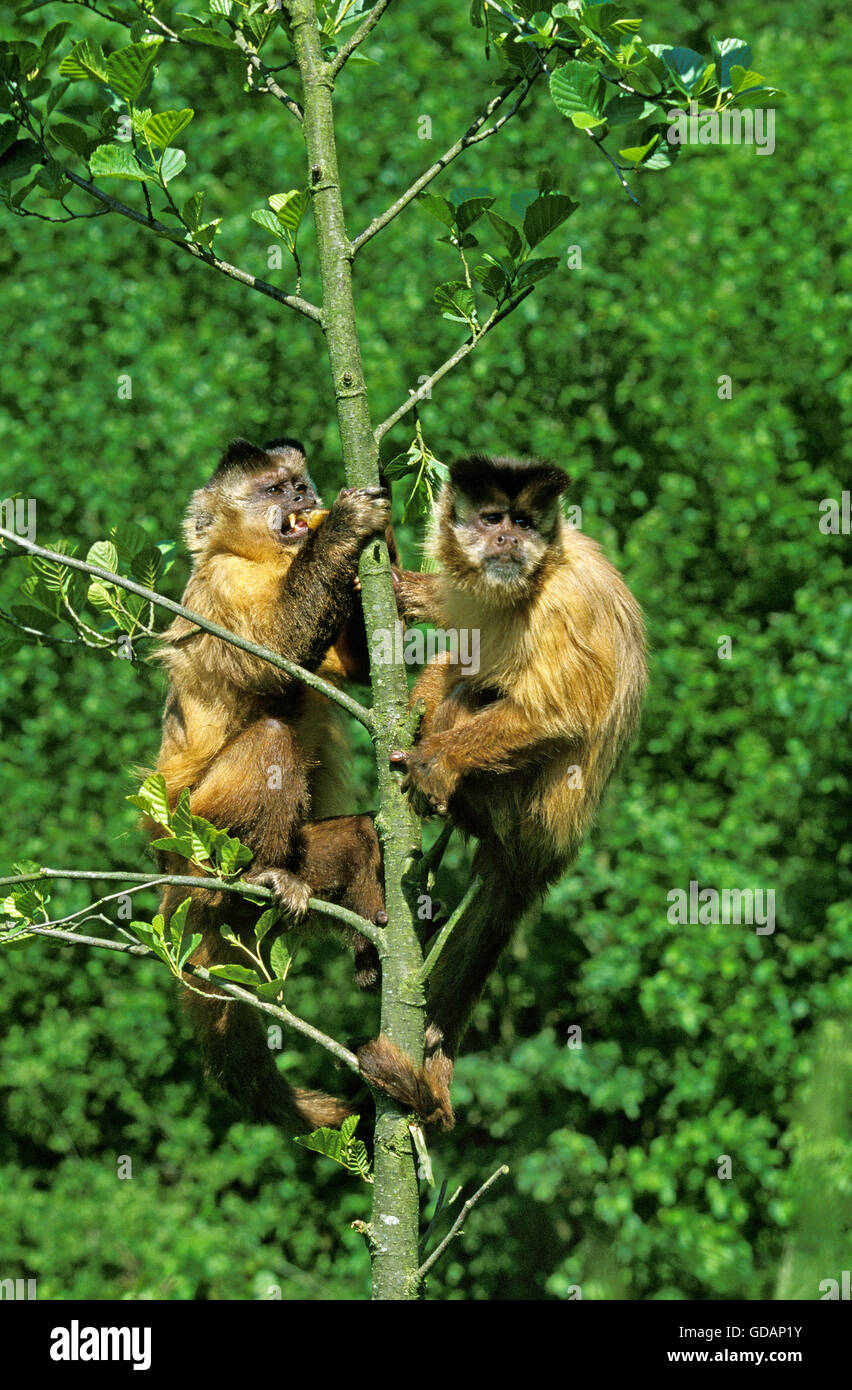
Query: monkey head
(258, 501)
(498, 521)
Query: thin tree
(602, 82)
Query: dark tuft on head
(240, 457)
(479, 476)
(285, 442)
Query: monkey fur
(520, 753)
(232, 718)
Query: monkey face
(501, 541)
(284, 499)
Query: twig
(430, 860)
(455, 1229)
(459, 355)
(470, 137)
(444, 934)
(358, 711)
(212, 885)
(271, 85)
(199, 253)
(277, 1011)
(369, 24)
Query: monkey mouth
(296, 525)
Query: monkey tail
(462, 969)
(236, 1055)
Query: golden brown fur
(262, 754)
(519, 753)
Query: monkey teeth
(298, 522)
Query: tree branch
(359, 36)
(276, 1011)
(456, 1227)
(358, 711)
(423, 391)
(212, 885)
(444, 934)
(271, 85)
(199, 253)
(472, 136)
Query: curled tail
(236, 1054)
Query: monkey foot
(291, 893)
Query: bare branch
(456, 1227)
(358, 711)
(212, 885)
(423, 391)
(359, 36)
(472, 136)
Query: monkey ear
(240, 457)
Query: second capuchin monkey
(518, 753)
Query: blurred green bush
(697, 1041)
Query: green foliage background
(697, 1041)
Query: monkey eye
(522, 521)
(274, 487)
(492, 518)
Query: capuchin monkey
(262, 754)
(518, 753)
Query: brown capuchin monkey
(519, 753)
(263, 755)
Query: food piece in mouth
(307, 520)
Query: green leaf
(85, 61)
(239, 974)
(290, 209)
(546, 214)
(171, 164)
(145, 566)
(118, 162)
(726, 52)
(103, 554)
(182, 845)
(74, 138)
(177, 922)
(493, 280)
(211, 36)
(268, 220)
(51, 41)
(438, 207)
(153, 799)
(456, 302)
(636, 153)
(626, 108)
(508, 234)
(265, 922)
(577, 88)
(532, 271)
(281, 958)
(743, 80)
(685, 66)
(18, 160)
(161, 129)
(470, 211)
(129, 70)
(188, 949)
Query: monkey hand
(429, 780)
(291, 893)
(361, 512)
